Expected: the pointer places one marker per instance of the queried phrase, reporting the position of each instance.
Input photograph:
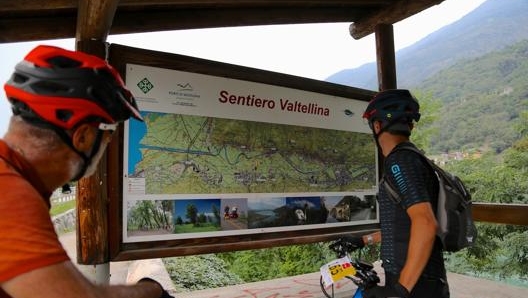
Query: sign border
(119, 57)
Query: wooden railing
(512, 214)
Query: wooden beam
(126, 22)
(194, 18)
(385, 57)
(94, 19)
(511, 214)
(42, 28)
(146, 250)
(36, 5)
(391, 14)
(92, 196)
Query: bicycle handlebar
(365, 276)
(343, 246)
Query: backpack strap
(387, 184)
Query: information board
(233, 158)
(219, 156)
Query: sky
(313, 51)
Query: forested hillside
(476, 68)
(480, 99)
(493, 26)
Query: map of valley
(182, 154)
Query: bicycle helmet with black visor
(61, 89)
(396, 109)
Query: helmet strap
(87, 160)
(383, 128)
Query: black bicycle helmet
(395, 108)
(65, 88)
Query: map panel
(184, 154)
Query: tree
(192, 213)
(424, 130)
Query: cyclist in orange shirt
(66, 105)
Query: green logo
(145, 85)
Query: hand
(396, 290)
(164, 293)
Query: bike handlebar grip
(353, 243)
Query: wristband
(370, 240)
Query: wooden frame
(119, 56)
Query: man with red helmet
(66, 105)
(411, 253)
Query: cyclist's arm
(423, 233)
(64, 280)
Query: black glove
(164, 293)
(395, 290)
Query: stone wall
(65, 222)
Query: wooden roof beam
(397, 11)
(140, 21)
(16, 29)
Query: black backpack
(456, 228)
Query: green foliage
(424, 130)
(59, 208)
(264, 264)
(501, 250)
(150, 215)
(199, 272)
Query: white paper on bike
(336, 270)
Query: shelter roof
(29, 20)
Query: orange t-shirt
(28, 240)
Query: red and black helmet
(65, 88)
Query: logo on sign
(145, 85)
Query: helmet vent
(63, 62)
(63, 115)
(51, 88)
(19, 79)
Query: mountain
(490, 27)
(482, 98)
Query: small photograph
(145, 218)
(196, 215)
(288, 211)
(265, 212)
(350, 208)
(235, 214)
(305, 210)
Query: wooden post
(386, 57)
(94, 20)
(386, 61)
(92, 202)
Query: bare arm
(423, 233)
(64, 280)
